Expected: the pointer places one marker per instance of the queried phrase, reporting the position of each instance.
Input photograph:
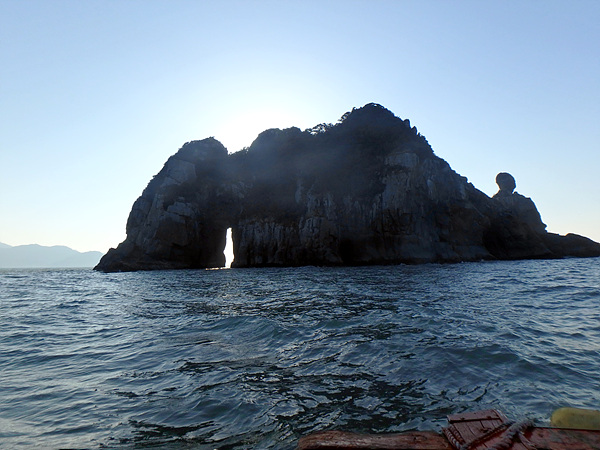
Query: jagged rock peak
(198, 150)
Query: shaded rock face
(367, 190)
(516, 229)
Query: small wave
(254, 359)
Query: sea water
(256, 358)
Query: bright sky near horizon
(96, 95)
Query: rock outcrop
(367, 190)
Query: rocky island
(366, 190)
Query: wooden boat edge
(474, 430)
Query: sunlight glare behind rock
(228, 249)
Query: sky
(96, 95)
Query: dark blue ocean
(255, 358)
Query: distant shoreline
(34, 256)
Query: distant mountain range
(39, 256)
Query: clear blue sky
(96, 95)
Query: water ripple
(255, 358)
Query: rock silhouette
(506, 183)
(367, 190)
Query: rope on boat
(516, 429)
(454, 438)
(508, 437)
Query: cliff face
(368, 190)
